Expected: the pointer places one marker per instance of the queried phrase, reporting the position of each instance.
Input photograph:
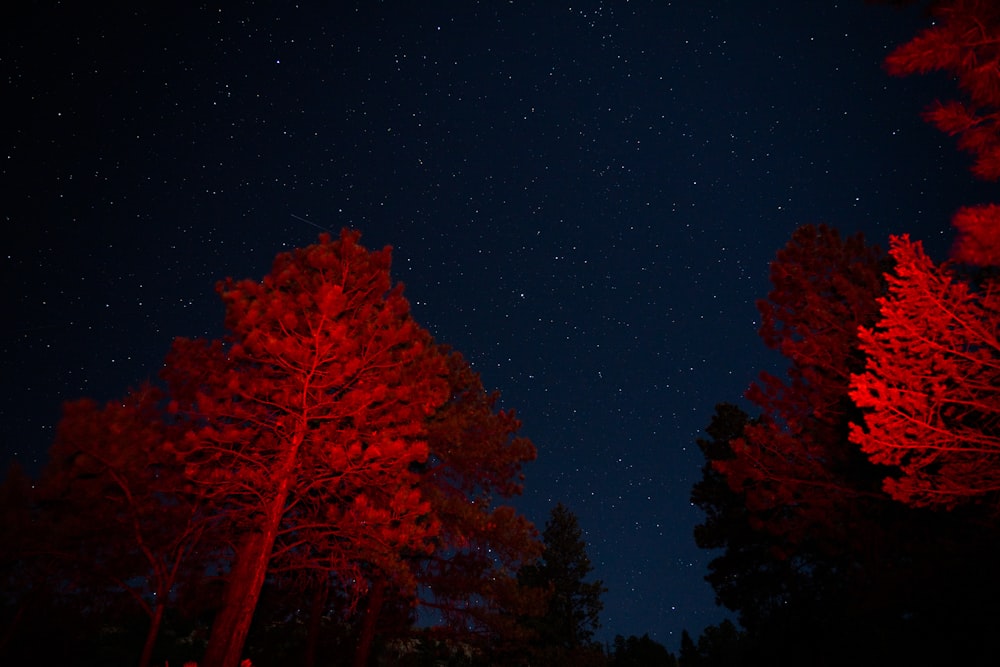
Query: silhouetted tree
(24, 571)
(689, 656)
(798, 512)
(574, 605)
(720, 646)
(759, 573)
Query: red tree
(964, 43)
(475, 464)
(113, 511)
(932, 384)
(307, 422)
(794, 463)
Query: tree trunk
(154, 629)
(232, 622)
(368, 623)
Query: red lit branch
(932, 384)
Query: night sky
(582, 197)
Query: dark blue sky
(583, 199)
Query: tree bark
(232, 623)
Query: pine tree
(932, 384)
(574, 605)
(306, 422)
(689, 656)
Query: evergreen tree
(574, 605)
(719, 645)
(689, 656)
(305, 424)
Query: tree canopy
(325, 434)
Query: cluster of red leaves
(792, 464)
(316, 408)
(114, 508)
(481, 543)
(978, 235)
(932, 383)
(965, 43)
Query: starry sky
(583, 198)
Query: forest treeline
(326, 484)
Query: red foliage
(965, 43)
(476, 460)
(978, 241)
(104, 490)
(328, 440)
(793, 464)
(932, 384)
(306, 424)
